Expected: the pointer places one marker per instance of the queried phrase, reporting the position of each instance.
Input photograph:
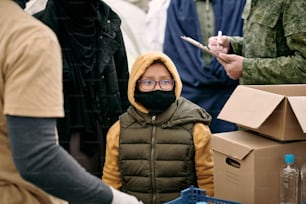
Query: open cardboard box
(247, 166)
(276, 111)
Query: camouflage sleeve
(287, 68)
(237, 44)
(280, 70)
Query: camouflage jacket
(274, 42)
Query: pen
(219, 38)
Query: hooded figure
(95, 75)
(162, 144)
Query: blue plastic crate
(192, 195)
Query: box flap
(230, 147)
(298, 105)
(249, 107)
(282, 89)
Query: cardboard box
(247, 166)
(276, 111)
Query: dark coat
(95, 68)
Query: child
(162, 144)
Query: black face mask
(156, 101)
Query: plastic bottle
(303, 182)
(289, 179)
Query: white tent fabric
(133, 28)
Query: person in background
(95, 75)
(162, 144)
(204, 80)
(273, 47)
(155, 23)
(34, 169)
(132, 26)
(142, 4)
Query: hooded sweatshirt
(154, 157)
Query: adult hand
(219, 44)
(120, 197)
(232, 65)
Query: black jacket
(95, 68)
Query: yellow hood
(139, 67)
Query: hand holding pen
(219, 43)
(233, 64)
(218, 47)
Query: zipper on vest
(152, 160)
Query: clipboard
(199, 45)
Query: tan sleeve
(111, 173)
(204, 162)
(33, 75)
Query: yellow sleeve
(204, 161)
(111, 173)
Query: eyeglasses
(148, 84)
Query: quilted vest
(156, 161)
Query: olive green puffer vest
(156, 161)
